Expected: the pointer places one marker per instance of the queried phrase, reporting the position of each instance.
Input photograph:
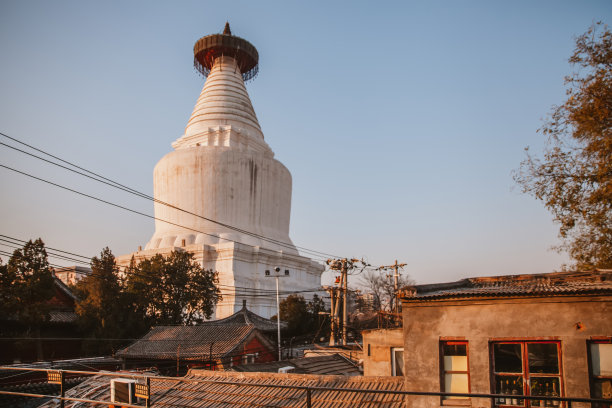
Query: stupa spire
(224, 114)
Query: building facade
(383, 352)
(548, 334)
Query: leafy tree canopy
(302, 317)
(172, 290)
(27, 284)
(101, 304)
(574, 176)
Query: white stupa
(221, 194)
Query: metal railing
(308, 390)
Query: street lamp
(277, 275)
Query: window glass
(456, 383)
(602, 389)
(398, 361)
(601, 370)
(543, 358)
(527, 368)
(455, 357)
(454, 362)
(601, 359)
(508, 358)
(510, 385)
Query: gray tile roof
(208, 389)
(59, 316)
(333, 364)
(188, 342)
(245, 316)
(596, 282)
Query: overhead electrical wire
(112, 183)
(120, 206)
(244, 291)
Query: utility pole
(333, 315)
(395, 267)
(343, 265)
(344, 303)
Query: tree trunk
(39, 348)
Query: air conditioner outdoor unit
(122, 390)
(287, 369)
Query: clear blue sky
(401, 122)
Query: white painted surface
(223, 170)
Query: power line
(242, 291)
(122, 187)
(120, 206)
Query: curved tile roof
(165, 342)
(550, 284)
(245, 316)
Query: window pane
(508, 358)
(398, 360)
(456, 383)
(510, 385)
(543, 358)
(546, 386)
(603, 389)
(455, 349)
(601, 359)
(455, 363)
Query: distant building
(217, 345)
(545, 334)
(61, 324)
(175, 349)
(70, 275)
(383, 352)
(332, 364)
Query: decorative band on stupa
(207, 49)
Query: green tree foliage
(302, 317)
(172, 290)
(574, 177)
(27, 285)
(101, 304)
(26, 288)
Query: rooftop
(597, 282)
(245, 316)
(194, 342)
(333, 364)
(204, 389)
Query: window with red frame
(600, 370)
(454, 370)
(526, 368)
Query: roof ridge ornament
(226, 29)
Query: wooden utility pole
(344, 303)
(332, 318)
(333, 315)
(343, 265)
(395, 267)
